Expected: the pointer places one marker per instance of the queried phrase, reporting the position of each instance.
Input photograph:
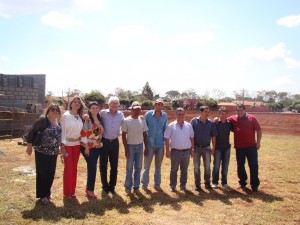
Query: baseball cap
(136, 105)
(159, 100)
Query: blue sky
(174, 45)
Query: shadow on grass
(145, 200)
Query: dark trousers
(252, 157)
(91, 162)
(45, 171)
(110, 151)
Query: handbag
(37, 135)
(37, 138)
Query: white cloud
(283, 80)
(60, 21)
(278, 52)
(4, 15)
(197, 38)
(4, 58)
(289, 21)
(131, 33)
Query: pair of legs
(158, 153)
(249, 153)
(134, 162)
(45, 172)
(205, 154)
(179, 158)
(221, 158)
(70, 170)
(109, 152)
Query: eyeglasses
(54, 110)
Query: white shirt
(70, 128)
(134, 129)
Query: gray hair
(113, 99)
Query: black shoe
(255, 189)
(198, 188)
(208, 187)
(106, 190)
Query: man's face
(136, 111)
(113, 106)
(180, 116)
(240, 112)
(223, 115)
(205, 113)
(158, 106)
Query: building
(24, 91)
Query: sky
(173, 44)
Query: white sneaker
(214, 185)
(227, 187)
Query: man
(244, 127)
(179, 136)
(156, 121)
(112, 120)
(205, 132)
(222, 153)
(134, 134)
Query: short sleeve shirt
(134, 129)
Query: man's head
(240, 110)
(204, 112)
(136, 108)
(113, 103)
(180, 114)
(223, 113)
(159, 104)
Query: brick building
(22, 91)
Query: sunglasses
(54, 110)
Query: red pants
(70, 169)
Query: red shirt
(244, 130)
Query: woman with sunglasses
(71, 125)
(91, 135)
(46, 153)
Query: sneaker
(45, 201)
(227, 187)
(157, 188)
(208, 187)
(214, 185)
(241, 186)
(127, 192)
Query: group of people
(96, 136)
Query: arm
(213, 141)
(258, 138)
(35, 127)
(145, 143)
(84, 138)
(192, 148)
(124, 134)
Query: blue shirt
(156, 128)
(203, 131)
(111, 123)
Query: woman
(46, 153)
(91, 135)
(71, 125)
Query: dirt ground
(271, 123)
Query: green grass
(277, 202)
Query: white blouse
(71, 128)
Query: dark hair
(202, 108)
(238, 106)
(180, 109)
(50, 106)
(90, 115)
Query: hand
(29, 149)
(168, 154)
(87, 151)
(257, 146)
(86, 117)
(146, 151)
(192, 153)
(64, 152)
(126, 153)
(212, 151)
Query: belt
(202, 146)
(73, 139)
(109, 140)
(181, 150)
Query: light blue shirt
(156, 128)
(111, 123)
(180, 137)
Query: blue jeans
(221, 155)
(91, 162)
(205, 153)
(134, 160)
(159, 155)
(252, 157)
(182, 158)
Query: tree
(147, 91)
(218, 94)
(172, 95)
(74, 92)
(198, 105)
(190, 93)
(94, 95)
(175, 104)
(49, 94)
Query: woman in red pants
(71, 125)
